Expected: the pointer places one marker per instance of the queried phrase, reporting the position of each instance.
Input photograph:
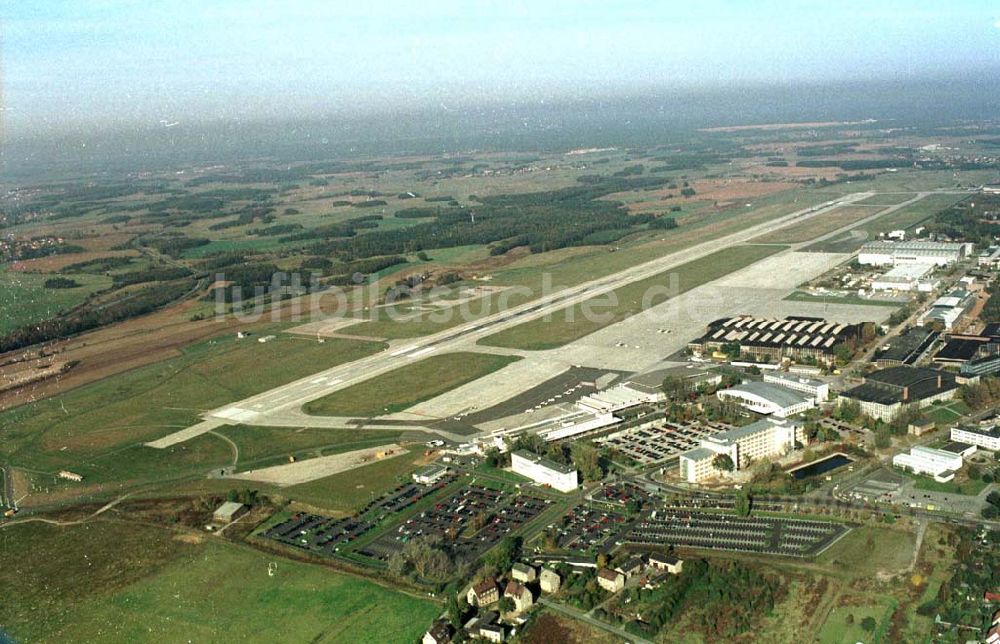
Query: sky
(68, 63)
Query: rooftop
(992, 431)
(544, 462)
(781, 396)
(738, 433)
(698, 454)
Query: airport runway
(282, 406)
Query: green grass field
(114, 582)
(87, 427)
(890, 199)
(864, 551)
(24, 299)
(404, 387)
(906, 218)
(843, 624)
(348, 491)
(817, 226)
(573, 323)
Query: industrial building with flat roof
(818, 389)
(890, 253)
(766, 438)
(906, 277)
(906, 348)
(767, 398)
(883, 394)
(938, 463)
(948, 309)
(773, 340)
(975, 354)
(985, 437)
(544, 471)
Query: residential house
(520, 594)
(523, 573)
(670, 563)
(440, 633)
(631, 566)
(549, 580)
(484, 593)
(610, 580)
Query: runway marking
(421, 352)
(402, 351)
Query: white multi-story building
(766, 438)
(985, 437)
(818, 389)
(766, 398)
(544, 471)
(938, 463)
(889, 253)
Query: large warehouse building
(772, 340)
(885, 393)
(541, 470)
(906, 277)
(890, 253)
(767, 398)
(948, 309)
(766, 438)
(975, 354)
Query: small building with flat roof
(544, 471)
(228, 512)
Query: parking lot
(659, 440)
(470, 521)
(326, 535)
(587, 529)
(765, 535)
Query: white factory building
(938, 463)
(907, 277)
(767, 398)
(948, 309)
(816, 388)
(766, 438)
(985, 437)
(619, 397)
(544, 471)
(892, 253)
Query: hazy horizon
(121, 63)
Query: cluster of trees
(985, 393)
(542, 221)
(969, 220)
(583, 456)
(99, 265)
(991, 310)
(425, 558)
(725, 599)
(60, 282)
(153, 274)
(960, 598)
(992, 510)
(174, 246)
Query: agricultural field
(25, 300)
(408, 385)
(121, 582)
(573, 323)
